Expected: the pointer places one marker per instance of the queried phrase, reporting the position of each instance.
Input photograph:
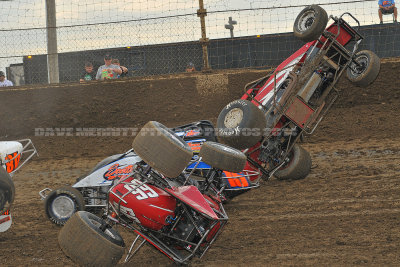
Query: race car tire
(298, 167)
(223, 157)
(163, 150)
(240, 124)
(310, 23)
(62, 203)
(7, 190)
(83, 240)
(105, 162)
(368, 71)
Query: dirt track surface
(346, 212)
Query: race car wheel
(298, 167)
(62, 203)
(367, 70)
(89, 241)
(222, 157)
(3, 201)
(7, 190)
(163, 150)
(240, 124)
(310, 23)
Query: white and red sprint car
(13, 155)
(276, 110)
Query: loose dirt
(346, 212)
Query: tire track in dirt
(346, 212)
(340, 214)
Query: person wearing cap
(123, 69)
(3, 81)
(108, 70)
(190, 67)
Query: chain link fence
(152, 37)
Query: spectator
(123, 69)
(108, 70)
(190, 67)
(89, 74)
(3, 81)
(387, 7)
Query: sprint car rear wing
(12, 161)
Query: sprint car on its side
(276, 110)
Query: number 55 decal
(142, 191)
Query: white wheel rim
(306, 20)
(63, 207)
(364, 61)
(233, 118)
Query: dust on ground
(346, 212)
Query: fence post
(204, 41)
(52, 55)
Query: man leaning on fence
(3, 81)
(108, 70)
(387, 7)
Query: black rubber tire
(298, 167)
(159, 147)
(364, 76)
(223, 157)
(82, 240)
(7, 190)
(67, 193)
(240, 124)
(105, 162)
(310, 23)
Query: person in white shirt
(3, 81)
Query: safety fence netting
(152, 37)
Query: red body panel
(254, 156)
(279, 74)
(192, 196)
(147, 204)
(344, 36)
(215, 229)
